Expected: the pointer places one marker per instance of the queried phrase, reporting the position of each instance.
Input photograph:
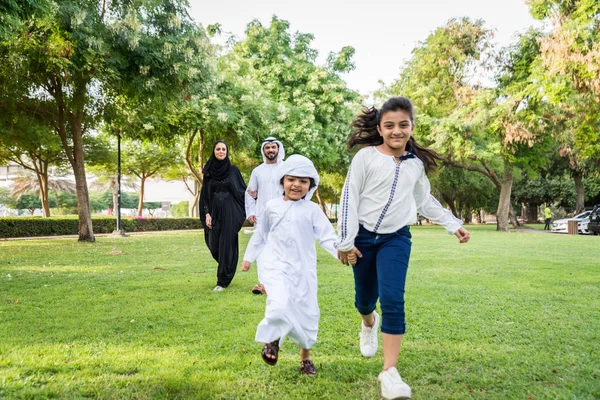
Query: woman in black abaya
(222, 212)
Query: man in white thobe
(263, 186)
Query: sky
(383, 32)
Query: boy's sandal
(271, 349)
(307, 367)
(259, 289)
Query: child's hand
(246, 265)
(352, 259)
(349, 257)
(253, 193)
(463, 235)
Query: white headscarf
(268, 140)
(300, 166)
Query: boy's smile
(295, 188)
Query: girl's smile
(396, 128)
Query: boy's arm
(258, 240)
(324, 232)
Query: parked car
(561, 225)
(594, 224)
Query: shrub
(12, 227)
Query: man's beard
(271, 157)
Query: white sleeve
(324, 232)
(259, 238)
(348, 222)
(430, 208)
(249, 202)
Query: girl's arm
(324, 232)
(348, 222)
(431, 208)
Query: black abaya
(224, 201)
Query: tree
(309, 106)
(81, 52)
(489, 131)
(29, 183)
(570, 55)
(144, 160)
(32, 145)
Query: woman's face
(220, 151)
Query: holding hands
(350, 256)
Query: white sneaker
(368, 337)
(218, 289)
(392, 386)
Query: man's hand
(246, 265)
(349, 257)
(463, 235)
(252, 219)
(253, 193)
(208, 221)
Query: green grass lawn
(506, 316)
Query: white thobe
(285, 240)
(264, 179)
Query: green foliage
(145, 159)
(35, 226)
(466, 191)
(118, 319)
(308, 107)
(180, 209)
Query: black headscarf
(217, 169)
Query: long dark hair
(365, 130)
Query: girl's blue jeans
(381, 273)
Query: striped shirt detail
(344, 219)
(392, 192)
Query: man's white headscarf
(269, 140)
(299, 166)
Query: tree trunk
(86, 231)
(43, 182)
(580, 203)
(141, 202)
(468, 217)
(504, 206)
(532, 213)
(75, 154)
(320, 201)
(194, 207)
(450, 201)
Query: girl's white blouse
(384, 196)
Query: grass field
(506, 316)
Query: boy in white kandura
(385, 187)
(285, 241)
